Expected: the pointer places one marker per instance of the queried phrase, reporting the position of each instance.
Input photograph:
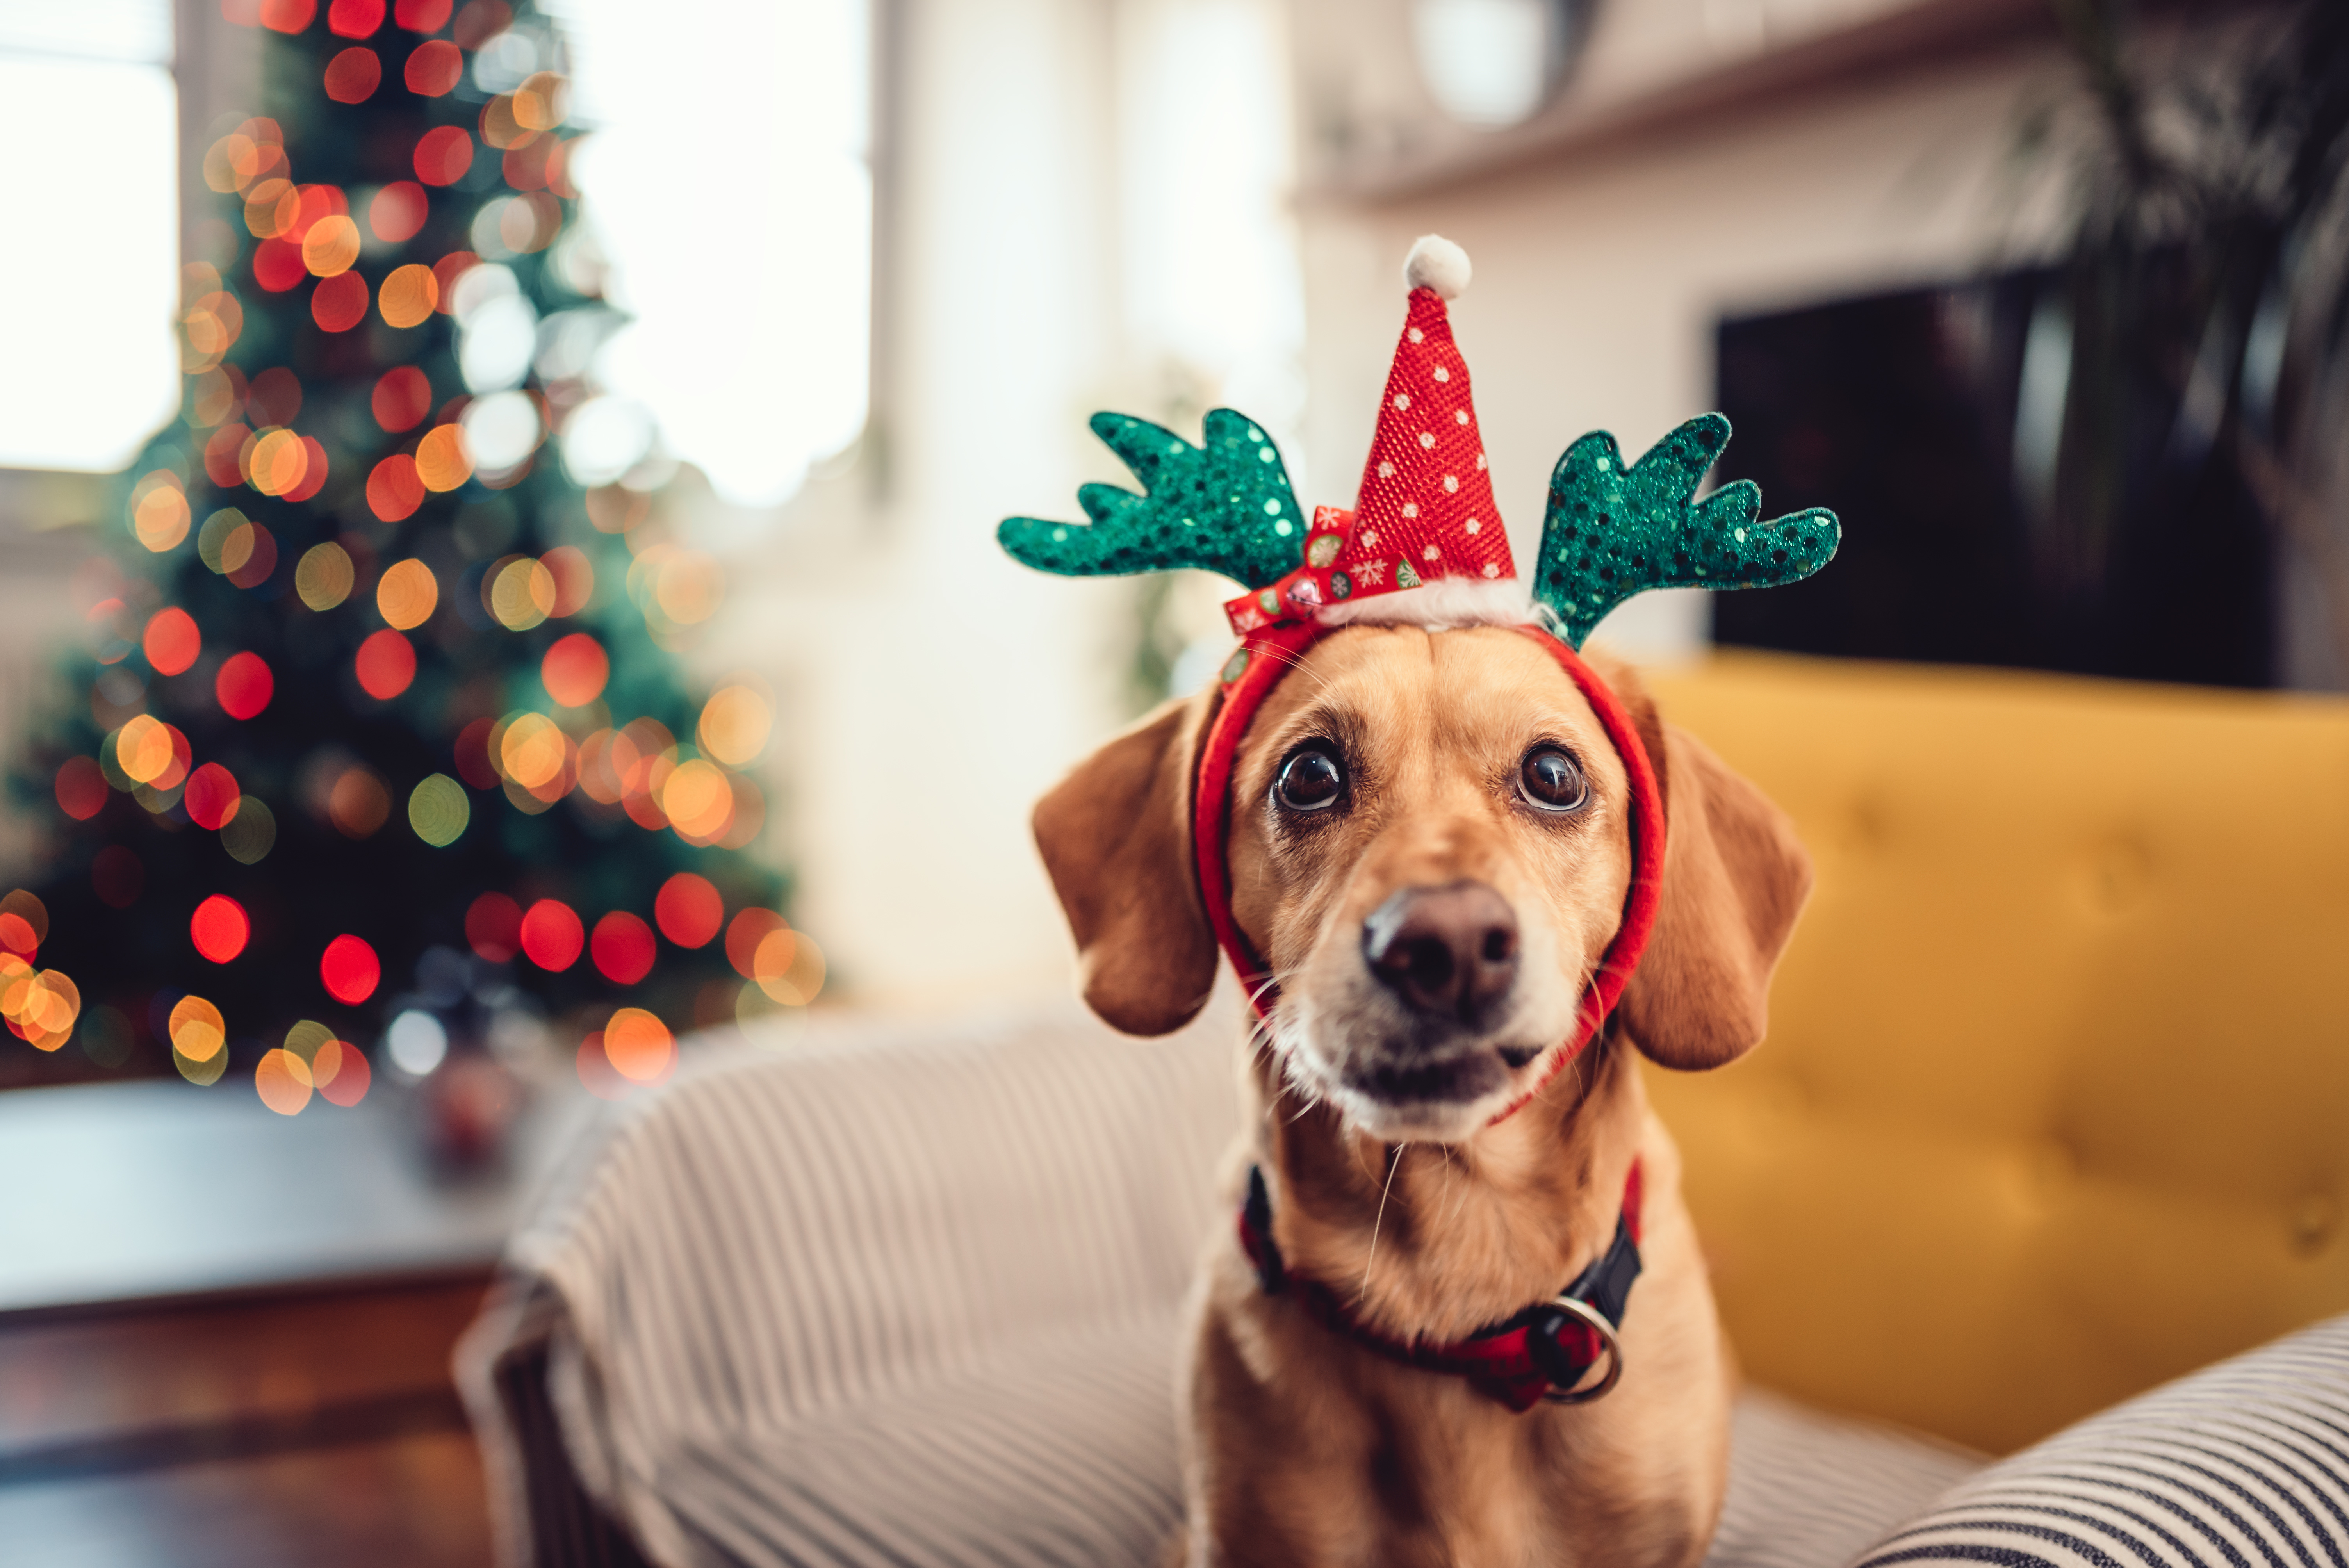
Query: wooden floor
(315, 1428)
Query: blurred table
(224, 1335)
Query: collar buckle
(1569, 1376)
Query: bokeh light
(751, 927)
(287, 15)
(689, 909)
(443, 154)
(596, 1074)
(323, 578)
(407, 594)
(438, 810)
(434, 68)
(401, 398)
(735, 724)
(416, 1042)
(249, 834)
(393, 490)
(533, 750)
(220, 928)
(198, 1038)
(552, 935)
(339, 302)
(504, 429)
(225, 541)
(423, 16)
(640, 1046)
(407, 296)
(142, 748)
(520, 593)
(353, 76)
(341, 1072)
(350, 970)
(398, 211)
(172, 640)
(789, 967)
(574, 579)
(277, 265)
(358, 803)
(258, 547)
(283, 1081)
(159, 512)
(386, 665)
(212, 798)
(24, 922)
(355, 18)
(278, 462)
(622, 947)
(472, 754)
(575, 670)
(493, 928)
(243, 685)
(697, 800)
(442, 461)
(80, 788)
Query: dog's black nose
(1449, 950)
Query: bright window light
(90, 266)
(725, 181)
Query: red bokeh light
(751, 927)
(575, 670)
(172, 640)
(275, 397)
(395, 489)
(314, 475)
(118, 876)
(353, 76)
(339, 302)
(574, 578)
(277, 265)
(423, 16)
(493, 928)
(219, 928)
(17, 936)
(434, 68)
(287, 15)
(447, 270)
(622, 948)
(211, 796)
(81, 788)
(244, 686)
(473, 755)
(398, 211)
(385, 663)
(689, 911)
(316, 201)
(221, 455)
(260, 563)
(349, 969)
(355, 18)
(552, 935)
(401, 398)
(342, 1073)
(443, 154)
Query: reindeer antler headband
(1425, 524)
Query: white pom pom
(1435, 262)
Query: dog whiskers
(1394, 1164)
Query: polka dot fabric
(1426, 508)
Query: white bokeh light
(725, 181)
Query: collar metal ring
(1596, 1320)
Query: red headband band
(1268, 655)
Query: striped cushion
(2244, 1465)
(882, 1295)
(1808, 1490)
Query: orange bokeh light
(640, 1046)
(407, 594)
(283, 1081)
(750, 928)
(407, 296)
(172, 640)
(196, 1029)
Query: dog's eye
(1551, 781)
(1311, 781)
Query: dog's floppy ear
(1734, 880)
(1116, 839)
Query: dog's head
(1431, 844)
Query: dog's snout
(1449, 950)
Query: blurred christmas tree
(384, 742)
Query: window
(89, 206)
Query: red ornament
(244, 686)
(552, 935)
(385, 663)
(622, 948)
(211, 796)
(220, 928)
(689, 911)
(349, 969)
(493, 928)
(172, 640)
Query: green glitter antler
(1224, 506)
(1613, 531)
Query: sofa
(2055, 1110)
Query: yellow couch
(2055, 1101)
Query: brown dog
(1429, 843)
